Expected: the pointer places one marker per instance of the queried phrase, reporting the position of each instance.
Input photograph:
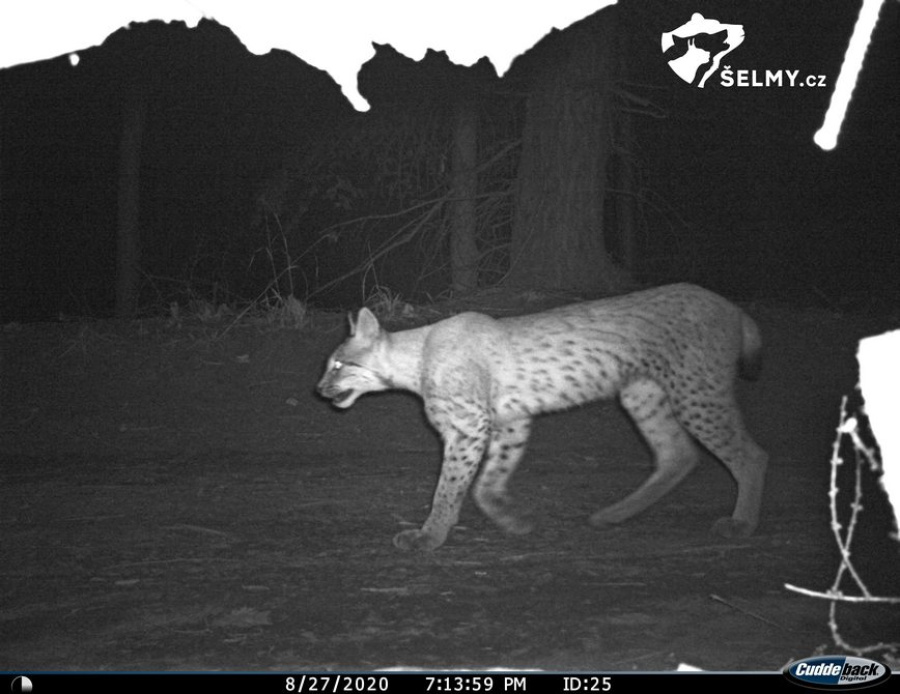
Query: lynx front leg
(465, 430)
(504, 453)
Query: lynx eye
(337, 365)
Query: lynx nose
(325, 389)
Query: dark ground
(171, 501)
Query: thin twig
(749, 613)
(840, 597)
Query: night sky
(731, 176)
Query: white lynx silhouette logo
(690, 61)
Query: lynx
(670, 353)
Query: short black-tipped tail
(750, 362)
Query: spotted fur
(671, 354)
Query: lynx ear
(366, 325)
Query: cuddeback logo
(695, 49)
(837, 672)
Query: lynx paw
(500, 509)
(731, 527)
(515, 525)
(417, 540)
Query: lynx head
(354, 367)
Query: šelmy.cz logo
(837, 672)
(695, 51)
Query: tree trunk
(1, 167)
(128, 237)
(463, 249)
(557, 239)
(626, 200)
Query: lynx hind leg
(674, 452)
(721, 429)
(505, 450)
(465, 429)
